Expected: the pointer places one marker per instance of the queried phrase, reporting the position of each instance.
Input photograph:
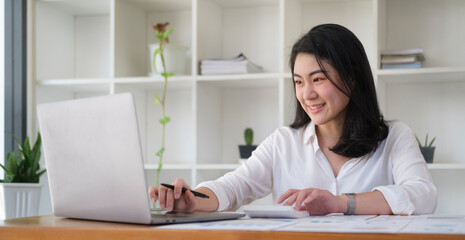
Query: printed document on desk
(349, 224)
(251, 224)
(338, 223)
(437, 224)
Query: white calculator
(273, 211)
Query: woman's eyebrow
(316, 71)
(310, 74)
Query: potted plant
(174, 56)
(246, 150)
(20, 190)
(427, 150)
(162, 35)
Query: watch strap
(350, 204)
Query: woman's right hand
(174, 199)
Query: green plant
(427, 144)
(162, 35)
(24, 167)
(248, 136)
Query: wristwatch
(350, 204)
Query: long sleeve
(252, 180)
(413, 191)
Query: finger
(301, 197)
(311, 202)
(153, 193)
(308, 199)
(190, 200)
(286, 195)
(291, 199)
(169, 200)
(179, 183)
(162, 196)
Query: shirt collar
(310, 133)
(310, 136)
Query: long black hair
(364, 127)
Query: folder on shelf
(239, 64)
(401, 65)
(401, 59)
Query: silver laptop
(94, 163)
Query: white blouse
(292, 159)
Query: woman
(339, 155)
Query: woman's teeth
(317, 106)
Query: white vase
(19, 200)
(175, 59)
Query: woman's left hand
(315, 201)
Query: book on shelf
(402, 58)
(392, 59)
(239, 64)
(402, 65)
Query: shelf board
(245, 3)
(447, 166)
(437, 74)
(80, 7)
(78, 85)
(220, 166)
(238, 76)
(241, 80)
(174, 82)
(74, 81)
(149, 166)
(163, 6)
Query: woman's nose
(309, 92)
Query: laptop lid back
(94, 160)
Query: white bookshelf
(85, 48)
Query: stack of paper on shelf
(405, 58)
(239, 64)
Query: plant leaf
(160, 35)
(167, 74)
(418, 140)
(156, 100)
(160, 152)
(41, 172)
(4, 168)
(432, 141)
(164, 120)
(154, 60)
(12, 165)
(167, 33)
(26, 152)
(426, 140)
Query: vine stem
(162, 103)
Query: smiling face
(324, 103)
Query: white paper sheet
(349, 224)
(426, 224)
(255, 224)
(437, 224)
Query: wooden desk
(51, 227)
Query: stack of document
(405, 58)
(239, 64)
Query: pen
(197, 194)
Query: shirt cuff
(223, 201)
(397, 198)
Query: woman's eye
(297, 82)
(317, 79)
